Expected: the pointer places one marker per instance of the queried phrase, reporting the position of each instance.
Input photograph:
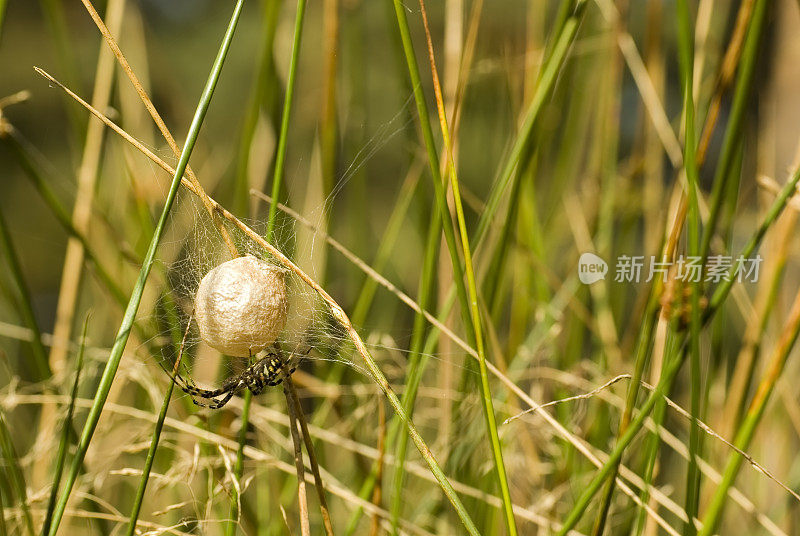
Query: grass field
(539, 258)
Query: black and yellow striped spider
(268, 371)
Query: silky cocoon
(241, 306)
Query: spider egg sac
(241, 306)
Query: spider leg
(207, 397)
(215, 404)
(189, 387)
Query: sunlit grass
(434, 172)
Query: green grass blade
(734, 129)
(280, 156)
(265, 79)
(136, 296)
(758, 405)
(148, 463)
(3, 5)
(3, 529)
(238, 468)
(42, 367)
(746, 431)
(686, 55)
(14, 473)
(672, 369)
(66, 432)
(277, 181)
(544, 89)
(179, 344)
(433, 163)
(416, 361)
(472, 288)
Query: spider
(270, 370)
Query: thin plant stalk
(686, 54)
(302, 502)
(133, 305)
(280, 156)
(651, 446)
(377, 493)
(162, 127)
(739, 108)
(66, 431)
(488, 406)
(336, 311)
(265, 78)
(312, 457)
(151, 451)
(730, 64)
(751, 420)
(277, 181)
(416, 360)
(671, 369)
(238, 467)
(328, 123)
(433, 163)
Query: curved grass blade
(133, 305)
(66, 432)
